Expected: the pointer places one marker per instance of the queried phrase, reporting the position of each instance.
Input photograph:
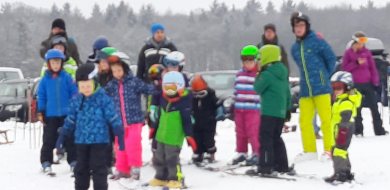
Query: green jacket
(273, 87)
(70, 66)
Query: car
(223, 84)
(294, 89)
(9, 73)
(14, 99)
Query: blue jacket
(316, 62)
(133, 88)
(54, 94)
(89, 119)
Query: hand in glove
(288, 116)
(151, 132)
(41, 117)
(220, 114)
(191, 142)
(153, 114)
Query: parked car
(9, 73)
(14, 103)
(294, 89)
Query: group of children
(106, 110)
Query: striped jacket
(246, 97)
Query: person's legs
(266, 161)
(281, 160)
(373, 105)
(121, 163)
(159, 162)
(98, 166)
(306, 116)
(359, 119)
(50, 136)
(241, 138)
(173, 163)
(324, 108)
(134, 146)
(252, 125)
(82, 170)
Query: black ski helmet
(86, 72)
(297, 17)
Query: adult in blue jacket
(316, 61)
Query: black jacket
(152, 53)
(72, 50)
(205, 110)
(283, 51)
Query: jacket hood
(278, 70)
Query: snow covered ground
(20, 167)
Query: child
(273, 87)
(126, 91)
(104, 75)
(54, 93)
(247, 108)
(91, 115)
(70, 65)
(175, 61)
(204, 108)
(174, 127)
(344, 110)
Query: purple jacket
(361, 73)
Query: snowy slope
(20, 167)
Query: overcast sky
(181, 6)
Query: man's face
(300, 28)
(103, 65)
(55, 64)
(159, 36)
(269, 35)
(56, 30)
(86, 87)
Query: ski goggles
(59, 40)
(248, 58)
(170, 89)
(337, 86)
(171, 63)
(360, 40)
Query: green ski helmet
(109, 50)
(269, 54)
(250, 51)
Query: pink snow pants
(247, 130)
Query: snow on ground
(20, 167)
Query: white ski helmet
(344, 77)
(175, 58)
(123, 57)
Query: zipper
(58, 94)
(322, 78)
(305, 69)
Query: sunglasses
(247, 58)
(361, 40)
(337, 86)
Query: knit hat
(58, 23)
(100, 43)
(270, 26)
(86, 72)
(269, 54)
(156, 27)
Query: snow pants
(340, 157)
(308, 107)
(166, 161)
(247, 130)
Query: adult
(154, 50)
(100, 43)
(358, 60)
(270, 37)
(58, 28)
(316, 61)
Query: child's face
(249, 64)
(117, 71)
(300, 29)
(104, 66)
(55, 64)
(59, 47)
(86, 87)
(338, 88)
(170, 68)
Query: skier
(104, 75)
(273, 87)
(316, 61)
(174, 127)
(247, 108)
(359, 61)
(100, 43)
(126, 90)
(55, 90)
(344, 110)
(91, 114)
(204, 108)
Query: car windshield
(13, 89)
(222, 83)
(8, 75)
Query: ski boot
(340, 177)
(240, 157)
(118, 175)
(252, 160)
(135, 173)
(210, 157)
(157, 183)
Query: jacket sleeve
(73, 51)
(73, 87)
(112, 117)
(373, 70)
(285, 59)
(349, 64)
(328, 56)
(42, 96)
(261, 83)
(185, 113)
(143, 87)
(141, 65)
(70, 120)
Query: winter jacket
(152, 53)
(175, 120)
(246, 97)
(70, 66)
(72, 50)
(54, 94)
(283, 51)
(273, 87)
(205, 110)
(316, 62)
(133, 88)
(91, 117)
(361, 73)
